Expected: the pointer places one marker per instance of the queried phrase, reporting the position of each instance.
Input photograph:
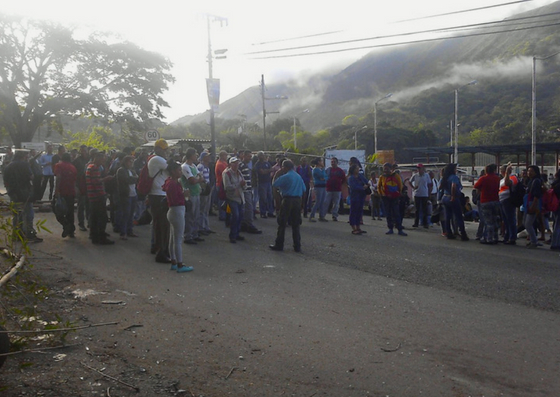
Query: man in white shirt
(420, 183)
(157, 167)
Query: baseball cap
(233, 160)
(161, 143)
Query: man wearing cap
(292, 188)
(421, 191)
(17, 179)
(157, 169)
(233, 186)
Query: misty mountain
(423, 77)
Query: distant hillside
(422, 78)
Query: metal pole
(295, 138)
(210, 76)
(534, 113)
(375, 131)
(264, 111)
(456, 151)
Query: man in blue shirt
(292, 188)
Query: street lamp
(356, 136)
(375, 124)
(534, 108)
(295, 131)
(456, 152)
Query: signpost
(151, 136)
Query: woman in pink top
(489, 186)
(176, 216)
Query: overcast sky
(178, 30)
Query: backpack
(517, 193)
(145, 181)
(550, 201)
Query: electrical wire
(404, 43)
(448, 29)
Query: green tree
(45, 72)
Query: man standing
(66, 175)
(95, 178)
(37, 173)
(420, 183)
(390, 186)
(48, 175)
(17, 179)
(292, 188)
(157, 166)
(203, 168)
(234, 185)
(264, 179)
(80, 163)
(304, 170)
(191, 181)
(248, 212)
(335, 178)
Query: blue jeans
(510, 220)
(320, 194)
(490, 212)
(529, 223)
(333, 197)
(236, 218)
(266, 204)
(453, 210)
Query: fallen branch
(132, 326)
(13, 271)
(45, 331)
(110, 377)
(231, 372)
(39, 350)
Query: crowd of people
(177, 192)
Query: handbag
(368, 191)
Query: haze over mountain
(423, 77)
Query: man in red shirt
(489, 203)
(66, 175)
(335, 178)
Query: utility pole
(264, 98)
(212, 18)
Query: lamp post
(456, 151)
(295, 130)
(356, 136)
(534, 108)
(375, 123)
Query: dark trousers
(305, 202)
(50, 180)
(290, 212)
(83, 209)
(67, 219)
(421, 204)
(160, 224)
(391, 206)
(98, 219)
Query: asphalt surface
(352, 316)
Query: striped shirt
(94, 184)
(246, 172)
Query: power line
(463, 11)
(452, 28)
(426, 17)
(404, 43)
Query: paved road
(352, 316)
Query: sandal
(356, 232)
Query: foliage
(45, 72)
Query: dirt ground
(102, 359)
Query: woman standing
(375, 198)
(555, 240)
(452, 191)
(176, 215)
(532, 203)
(358, 185)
